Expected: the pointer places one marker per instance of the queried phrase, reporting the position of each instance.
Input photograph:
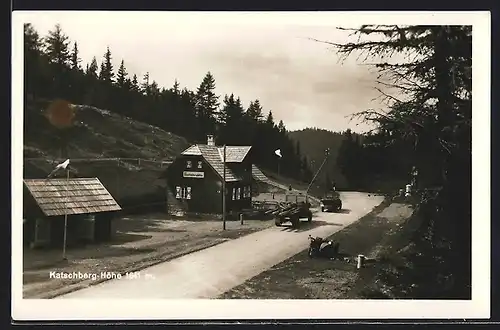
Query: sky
(265, 56)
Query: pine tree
(254, 111)
(231, 121)
(270, 119)
(121, 77)
(32, 41)
(135, 84)
(281, 127)
(32, 62)
(206, 106)
(75, 59)
(57, 47)
(145, 86)
(175, 88)
(106, 74)
(91, 70)
(154, 89)
(433, 125)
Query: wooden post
(66, 216)
(224, 190)
(241, 218)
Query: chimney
(210, 140)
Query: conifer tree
(91, 70)
(75, 59)
(106, 74)
(57, 47)
(121, 77)
(207, 104)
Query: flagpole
(224, 190)
(66, 215)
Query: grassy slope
(99, 133)
(102, 134)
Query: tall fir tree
(75, 58)
(175, 88)
(121, 77)
(92, 69)
(254, 111)
(57, 47)
(145, 86)
(135, 84)
(106, 74)
(207, 104)
(232, 128)
(270, 119)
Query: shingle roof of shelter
(75, 196)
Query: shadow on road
(343, 211)
(143, 224)
(304, 226)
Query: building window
(200, 164)
(189, 164)
(247, 193)
(183, 192)
(238, 193)
(234, 194)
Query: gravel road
(213, 271)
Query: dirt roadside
(140, 241)
(303, 278)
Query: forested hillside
(313, 142)
(54, 70)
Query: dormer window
(189, 164)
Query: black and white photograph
(250, 165)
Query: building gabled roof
(234, 154)
(73, 196)
(193, 150)
(212, 157)
(258, 175)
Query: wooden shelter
(87, 203)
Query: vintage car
(331, 202)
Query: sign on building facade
(193, 174)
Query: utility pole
(224, 190)
(327, 154)
(317, 173)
